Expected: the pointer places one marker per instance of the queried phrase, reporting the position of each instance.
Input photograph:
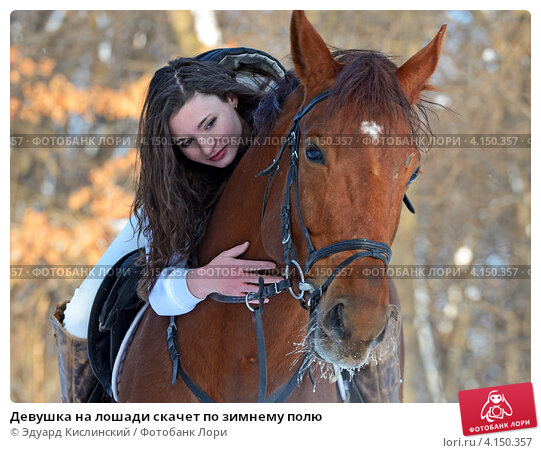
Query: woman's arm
(170, 295)
(179, 289)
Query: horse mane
(266, 114)
(367, 84)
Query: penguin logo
(496, 407)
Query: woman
(204, 117)
(194, 128)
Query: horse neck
(237, 215)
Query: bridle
(368, 248)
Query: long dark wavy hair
(174, 195)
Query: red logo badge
(494, 409)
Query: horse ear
(314, 63)
(413, 75)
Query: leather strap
(267, 292)
(177, 367)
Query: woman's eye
(211, 123)
(186, 143)
(314, 153)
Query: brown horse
(346, 190)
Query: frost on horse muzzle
(332, 339)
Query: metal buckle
(305, 286)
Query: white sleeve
(170, 295)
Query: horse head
(350, 183)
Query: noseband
(368, 248)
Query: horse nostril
(334, 321)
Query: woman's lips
(220, 154)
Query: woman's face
(207, 129)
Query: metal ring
(299, 296)
(284, 241)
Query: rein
(369, 248)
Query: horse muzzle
(333, 339)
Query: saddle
(115, 306)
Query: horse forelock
(367, 89)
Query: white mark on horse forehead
(371, 128)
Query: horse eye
(314, 153)
(414, 176)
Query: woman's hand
(229, 275)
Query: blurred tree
(73, 72)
